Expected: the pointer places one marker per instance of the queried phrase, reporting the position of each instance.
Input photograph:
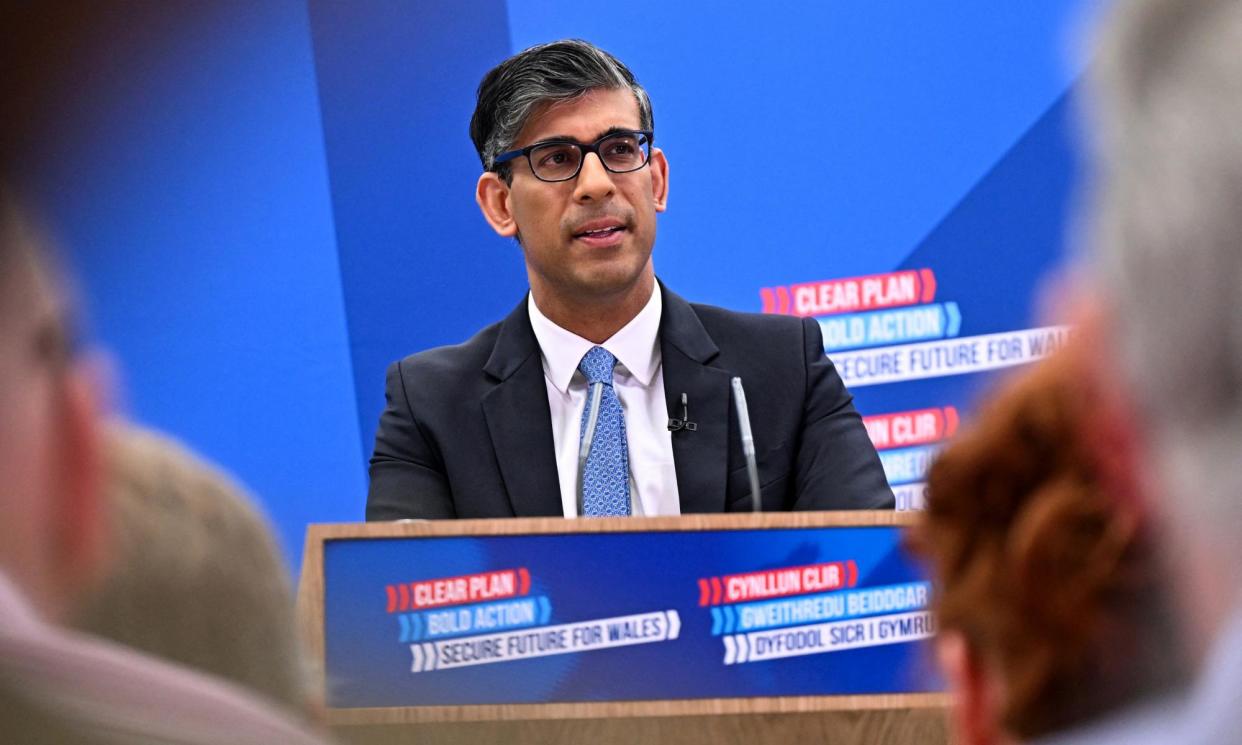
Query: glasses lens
(623, 152)
(555, 161)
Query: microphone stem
(748, 442)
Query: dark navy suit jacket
(467, 432)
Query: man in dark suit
(600, 354)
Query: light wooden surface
(908, 718)
(624, 709)
(546, 525)
(917, 726)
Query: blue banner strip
(828, 606)
(907, 465)
(483, 618)
(887, 327)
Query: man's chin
(611, 283)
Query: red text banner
(775, 583)
(467, 588)
(851, 294)
(906, 428)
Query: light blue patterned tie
(606, 478)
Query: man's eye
(621, 147)
(557, 157)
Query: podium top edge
(561, 525)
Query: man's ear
(81, 537)
(492, 195)
(1114, 435)
(974, 709)
(659, 179)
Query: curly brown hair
(1051, 579)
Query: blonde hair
(197, 576)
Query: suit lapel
(701, 456)
(519, 420)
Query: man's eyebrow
(615, 130)
(568, 138)
(553, 138)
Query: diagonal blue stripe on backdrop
(419, 267)
(1002, 238)
(995, 249)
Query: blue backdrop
(267, 202)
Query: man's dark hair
(557, 71)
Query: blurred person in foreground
(1050, 596)
(57, 686)
(1166, 257)
(196, 576)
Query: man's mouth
(604, 232)
(599, 232)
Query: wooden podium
(913, 716)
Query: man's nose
(594, 181)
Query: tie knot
(597, 366)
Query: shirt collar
(635, 346)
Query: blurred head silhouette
(51, 536)
(1167, 260)
(1049, 594)
(197, 577)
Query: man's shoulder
(1147, 722)
(717, 314)
(453, 360)
(763, 330)
(74, 679)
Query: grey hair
(1168, 241)
(546, 73)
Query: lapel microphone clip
(676, 425)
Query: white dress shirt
(639, 382)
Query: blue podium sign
(623, 610)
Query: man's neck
(597, 319)
(1208, 591)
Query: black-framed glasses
(561, 160)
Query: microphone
(596, 394)
(676, 425)
(748, 442)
